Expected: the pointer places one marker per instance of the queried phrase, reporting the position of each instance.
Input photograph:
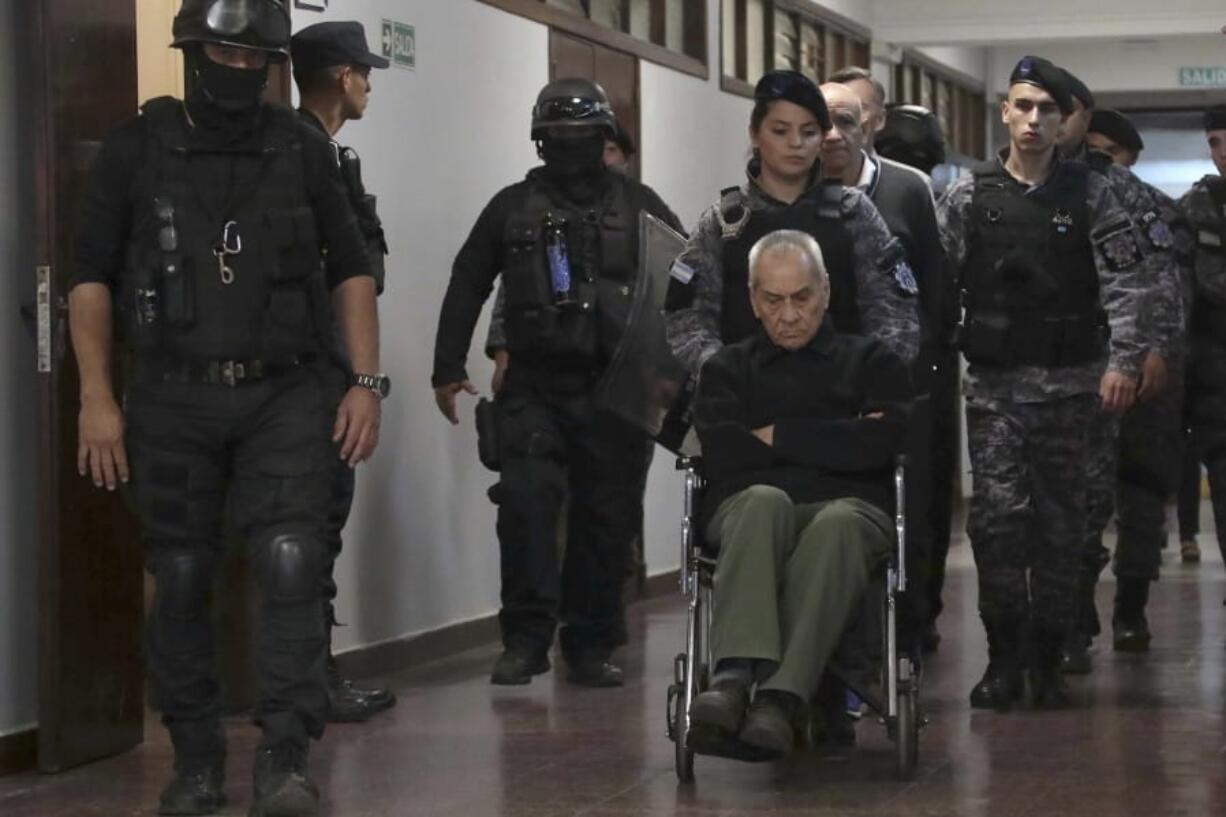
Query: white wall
(1105, 66)
(970, 61)
(18, 565)
(436, 144)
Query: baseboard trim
(433, 645)
(19, 751)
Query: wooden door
(82, 63)
(616, 71)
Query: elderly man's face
(788, 298)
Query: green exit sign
(1203, 76)
(400, 44)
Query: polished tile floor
(1148, 739)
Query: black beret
(1215, 118)
(325, 45)
(1116, 127)
(1043, 74)
(1078, 89)
(794, 87)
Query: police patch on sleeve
(1118, 247)
(905, 278)
(1157, 230)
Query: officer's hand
(100, 447)
(766, 434)
(357, 425)
(502, 359)
(1154, 376)
(1118, 392)
(445, 397)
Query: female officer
(872, 288)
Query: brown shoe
(769, 722)
(1189, 551)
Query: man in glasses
(565, 242)
(203, 225)
(332, 65)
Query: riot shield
(644, 384)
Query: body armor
(586, 328)
(222, 265)
(1209, 317)
(820, 214)
(1031, 283)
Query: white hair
(788, 241)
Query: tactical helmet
(572, 103)
(260, 24)
(912, 135)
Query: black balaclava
(225, 100)
(575, 164)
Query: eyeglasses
(266, 18)
(552, 110)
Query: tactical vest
(819, 212)
(365, 207)
(178, 299)
(602, 250)
(1209, 318)
(1030, 286)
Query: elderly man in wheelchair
(800, 428)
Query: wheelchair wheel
(683, 756)
(906, 730)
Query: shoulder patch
(1157, 230)
(1207, 238)
(681, 272)
(1117, 245)
(904, 277)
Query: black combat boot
(594, 670)
(1075, 656)
(198, 786)
(349, 703)
(1128, 622)
(518, 663)
(281, 785)
(1002, 684)
(1048, 689)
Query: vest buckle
(231, 372)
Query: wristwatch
(380, 384)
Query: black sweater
(816, 398)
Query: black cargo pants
(261, 449)
(555, 446)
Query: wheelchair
(894, 699)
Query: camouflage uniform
(1027, 430)
(1135, 459)
(887, 311)
(1206, 213)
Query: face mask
(233, 90)
(574, 157)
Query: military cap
(1043, 74)
(1215, 118)
(794, 87)
(325, 45)
(1079, 89)
(1116, 127)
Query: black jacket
(816, 398)
(482, 259)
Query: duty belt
(232, 373)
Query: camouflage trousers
(1028, 507)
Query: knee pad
(184, 577)
(292, 564)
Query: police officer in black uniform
(565, 240)
(202, 229)
(332, 66)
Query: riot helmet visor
(264, 18)
(570, 109)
